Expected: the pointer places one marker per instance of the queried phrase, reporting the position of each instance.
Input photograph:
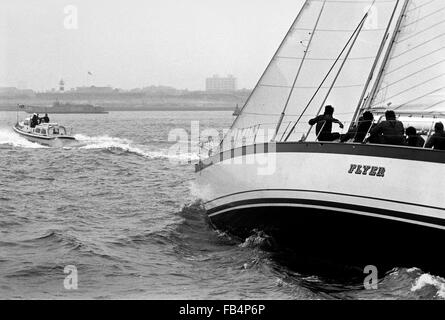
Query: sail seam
(324, 59)
(413, 87)
(418, 98)
(421, 6)
(424, 17)
(415, 60)
(418, 46)
(420, 32)
(412, 74)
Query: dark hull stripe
(330, 193)
(235, 206)
(370, 150)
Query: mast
(371, 74)
(387, 55)
(280, 121)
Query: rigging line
(339, 71)
(419, 32)
(413, 87)
(418, 46)
(305, 4)
(415, 60)
(418, 98)
(327, 75)
(299, 69)
(410, 75)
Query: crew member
(437, 140)
(390, 131)
(324, 125)
(45, 119)
(413, 138)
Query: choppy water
(121, 208)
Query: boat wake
(125, 146)
(9, 138)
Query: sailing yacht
(362, 203)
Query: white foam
(126, 145)
(9, 137)
(429, 280)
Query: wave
(10, 138)
(119, 145)
(429, 282)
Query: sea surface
(120, 208)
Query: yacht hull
(363, 204)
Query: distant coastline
(135, 101)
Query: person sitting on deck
(390, 131)
(437, 140)
(413, 138)
(324, 125)
(359, 132)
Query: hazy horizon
(139, 43)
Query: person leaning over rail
(324, 125)
(390, 131)
(437, 140)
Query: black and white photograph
(248, 151)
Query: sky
(136, 43)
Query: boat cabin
(43, 129)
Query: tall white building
(221, 84)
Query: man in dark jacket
(324, 125)
(413, 138)
(437, 140)
(390, 131)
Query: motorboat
(358, 203)
(48, 134)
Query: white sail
(294, 78)
(414, 76)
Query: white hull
(315, 179)
(54, 142)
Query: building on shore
(218, 84)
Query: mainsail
(325, 58)
(414, 75)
